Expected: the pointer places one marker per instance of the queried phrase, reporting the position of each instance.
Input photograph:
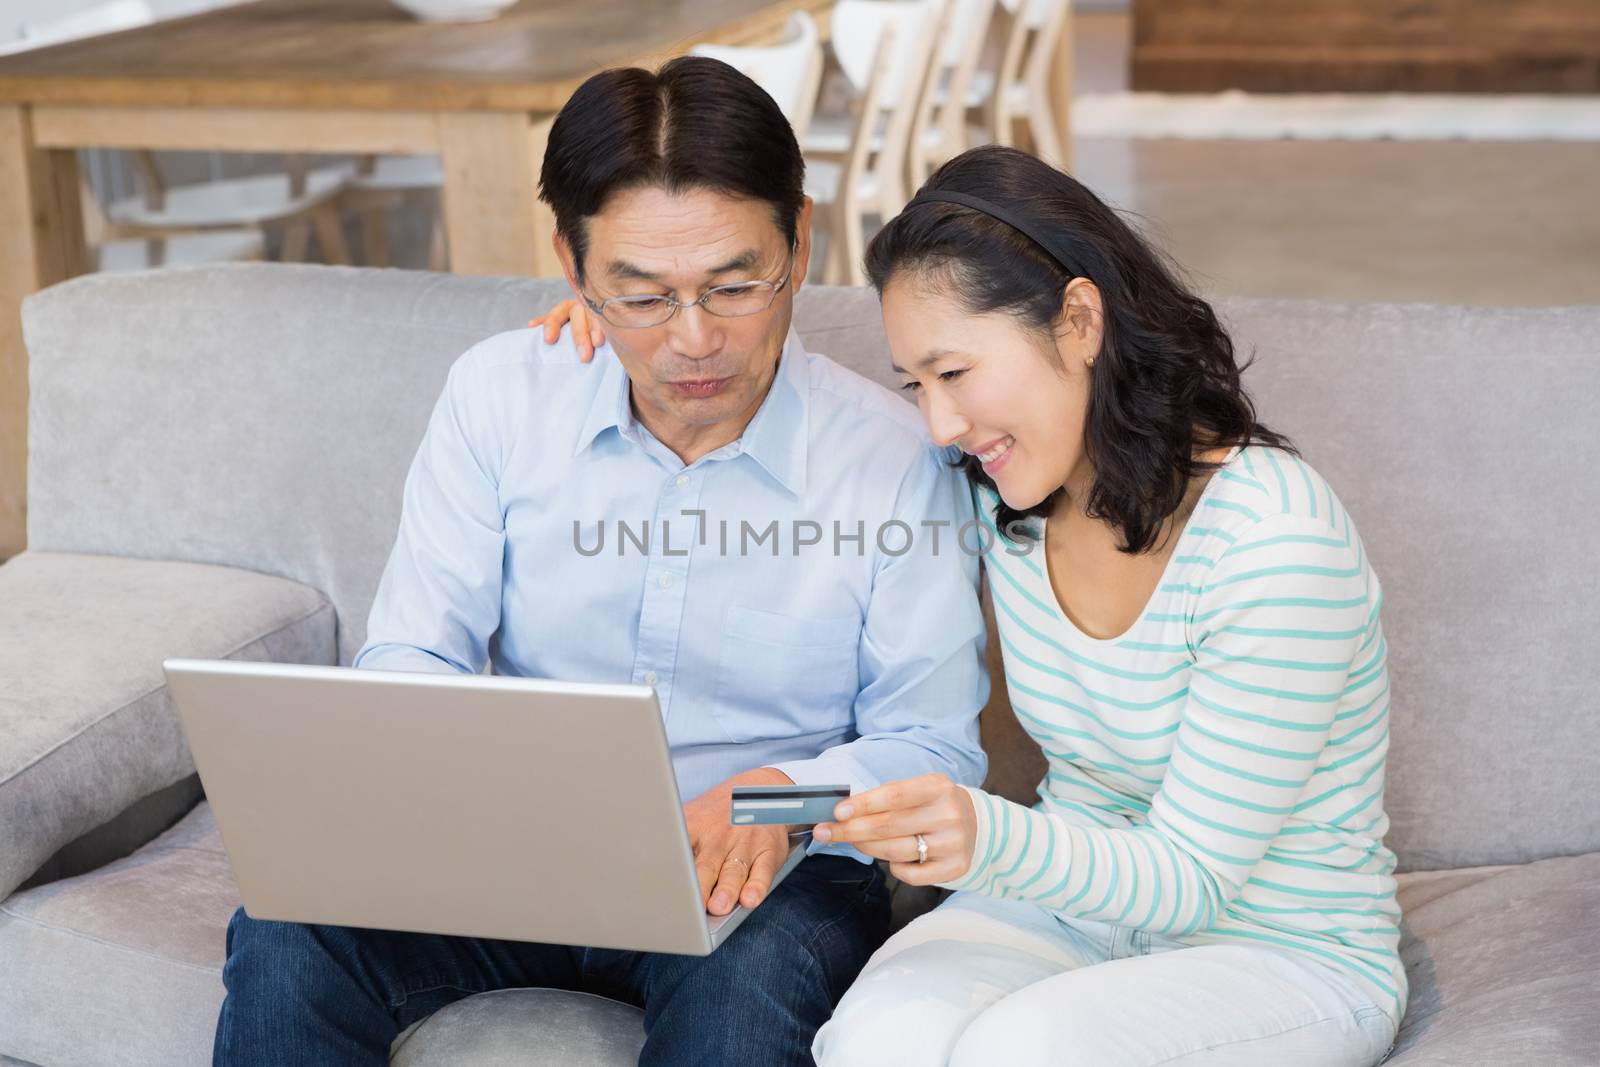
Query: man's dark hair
(1166, 381)
(694, 124)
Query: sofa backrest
(264, 416)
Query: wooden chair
(111, 249)
(884, 48)
(115, 244)
(300, 200)
(941, 122)
(382, 184)
(1017, 93)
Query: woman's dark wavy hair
(1165, 383)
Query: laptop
(475, 805)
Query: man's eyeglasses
(725, 301)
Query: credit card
(774, 805)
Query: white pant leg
(1213, 1004)
(920, 990)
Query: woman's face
(996, 389)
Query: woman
(1190, 630)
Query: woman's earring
(1089, 362)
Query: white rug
(1236, 115)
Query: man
(773, 574)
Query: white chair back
(790, 72)
(940, 128)
(1023, 82)
(969, 22)
(885, 49)
(859, 25)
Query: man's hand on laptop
(736, 864)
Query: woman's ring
(922, 849)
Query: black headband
(1010, 218)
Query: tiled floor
(1451, 222)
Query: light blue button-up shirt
(798, 598)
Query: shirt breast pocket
(784, 675)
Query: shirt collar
(611, 406)
(776, 438)
(778, 435)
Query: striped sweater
(1216, 772)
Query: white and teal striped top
(1216, 773)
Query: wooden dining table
(330, 76)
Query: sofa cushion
(86, 726)
(1502, 965)
(109, 841)
(123, 964)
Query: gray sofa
(217, 458)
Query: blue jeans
(330, 995)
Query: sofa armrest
(87, 728)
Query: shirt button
(651, 678)
(681, 480)
(665, 581)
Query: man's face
(698, 378)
